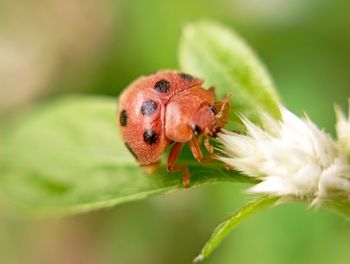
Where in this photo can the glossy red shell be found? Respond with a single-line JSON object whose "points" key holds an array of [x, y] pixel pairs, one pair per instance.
{"points": [[141, 113]]}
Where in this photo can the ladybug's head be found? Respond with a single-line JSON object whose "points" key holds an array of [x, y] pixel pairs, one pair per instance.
{"points": [[204, 120], [210, 118]]}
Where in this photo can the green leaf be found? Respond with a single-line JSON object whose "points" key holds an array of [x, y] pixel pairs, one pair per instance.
{"points": [[226, 227], [66, 156], [224, 60]]}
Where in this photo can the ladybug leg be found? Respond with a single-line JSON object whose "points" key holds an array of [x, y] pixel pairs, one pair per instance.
{"points": [[224, 108], [228, 167], [197, 152], [209, 147], [200, 138], [173, 155]]}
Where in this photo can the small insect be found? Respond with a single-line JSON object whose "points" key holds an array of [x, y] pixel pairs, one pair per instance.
{"points": [[170, 108]]}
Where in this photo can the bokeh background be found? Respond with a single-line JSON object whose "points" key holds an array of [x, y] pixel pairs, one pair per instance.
{"points": [[53, 47]]}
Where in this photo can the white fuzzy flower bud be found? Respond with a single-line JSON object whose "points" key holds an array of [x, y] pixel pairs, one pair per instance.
{"points": [[343, 131], [291, 157]]}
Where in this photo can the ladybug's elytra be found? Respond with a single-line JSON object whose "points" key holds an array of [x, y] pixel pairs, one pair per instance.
{"points": [[169, 108]]}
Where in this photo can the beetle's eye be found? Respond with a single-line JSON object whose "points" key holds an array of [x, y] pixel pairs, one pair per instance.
{"points": [[196, 129], [213, 109]]}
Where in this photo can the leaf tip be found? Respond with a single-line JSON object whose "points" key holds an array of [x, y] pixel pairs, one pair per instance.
{"points": [[199, 258]]}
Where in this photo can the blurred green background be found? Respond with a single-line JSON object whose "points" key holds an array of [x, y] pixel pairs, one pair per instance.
{"points": [[52, 47]]}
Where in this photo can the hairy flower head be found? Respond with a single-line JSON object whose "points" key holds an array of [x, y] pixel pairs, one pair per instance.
{"points": [[343, 131], [291, 157]]}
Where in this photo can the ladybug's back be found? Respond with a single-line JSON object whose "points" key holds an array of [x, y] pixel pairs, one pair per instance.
{"points": [[142, 109]]}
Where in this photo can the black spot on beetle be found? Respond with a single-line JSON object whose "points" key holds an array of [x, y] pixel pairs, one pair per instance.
{"points": [[186, 77], [131, 150], [148, 107], [162, 86], [123, 118], [150, 137]]}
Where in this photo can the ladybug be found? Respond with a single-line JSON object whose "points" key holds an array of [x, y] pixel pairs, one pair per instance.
{"points": [[170, 108]]}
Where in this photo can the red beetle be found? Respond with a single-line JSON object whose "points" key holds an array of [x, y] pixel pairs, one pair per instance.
{"points": [[170, 108]]}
